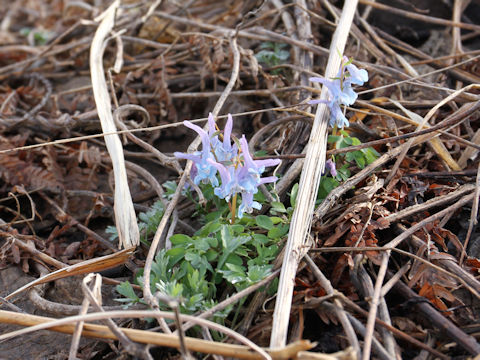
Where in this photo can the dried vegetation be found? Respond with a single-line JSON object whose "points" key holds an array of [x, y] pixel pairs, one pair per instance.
{"points": [[392, 262]]}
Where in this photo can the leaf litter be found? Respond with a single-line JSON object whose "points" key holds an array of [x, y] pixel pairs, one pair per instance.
{"points": [[58, 187]]}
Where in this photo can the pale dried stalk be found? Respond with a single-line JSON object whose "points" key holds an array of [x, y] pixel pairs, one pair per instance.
{"points": [[435, 143], [308, 187], [424, 121], [125, 218], [40, 323], [372, 314], [95, 298], [78, 331]]}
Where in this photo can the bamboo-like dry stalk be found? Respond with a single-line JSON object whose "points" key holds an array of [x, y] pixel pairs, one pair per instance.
{"points": [[66, 325], [308, 186], [88, 266], [125, 217]]}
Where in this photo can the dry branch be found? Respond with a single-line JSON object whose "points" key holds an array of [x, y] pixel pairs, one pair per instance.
{"points": [[125, 217], [308, 187]]}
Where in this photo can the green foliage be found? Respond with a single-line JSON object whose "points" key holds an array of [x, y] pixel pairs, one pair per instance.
{"points": [[147, 223], [126, 289], [112, 230], [220, 255], [40, 36], [272, 54], [149, 220], [362, 157], [359, 158]]}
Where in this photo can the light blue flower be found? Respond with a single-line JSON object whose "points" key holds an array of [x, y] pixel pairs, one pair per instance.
{"points": [[357, 76], [336, 115], [243, 178], [205, 173], [229, 177], [341, 91], [253, 169], [238, 174], [224, 151], [248, 204]]}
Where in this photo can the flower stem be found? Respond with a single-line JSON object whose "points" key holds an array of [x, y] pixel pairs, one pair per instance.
{"points": [[233, 208]]}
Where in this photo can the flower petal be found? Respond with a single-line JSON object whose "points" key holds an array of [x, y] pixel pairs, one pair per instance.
{"points": [[203, 135], [357, 76], [227, 132], [331, 167], [194, 158]]}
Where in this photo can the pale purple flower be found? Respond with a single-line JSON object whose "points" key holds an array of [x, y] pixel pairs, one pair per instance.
{"points": [[204, 171], [331, 167], [224, 151], [252, 169], [248, 204], [357, 76], [238, 174], [336, 116], [243, 178], [341, 91]]}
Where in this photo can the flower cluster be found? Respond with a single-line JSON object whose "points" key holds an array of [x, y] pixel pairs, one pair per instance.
{"points": [[239, 173], [331, 167], [340, 89]]}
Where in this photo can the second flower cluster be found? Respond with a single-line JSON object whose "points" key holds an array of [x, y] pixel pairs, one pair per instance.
{"points": [[232, 161]]}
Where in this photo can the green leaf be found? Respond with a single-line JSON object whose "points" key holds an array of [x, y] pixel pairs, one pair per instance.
{"points": [[276, 220], [242, 251], [267, 45], [327, 184], [355, 141], [343, 173], [359, 159], [126, 289], [256, 273], [112, 230], [211, 255], [234, 259], [237, 228], [170, 188], [179, 239], [370, 155], [283, 54], [209, 228], [233, 277], [214, 215], [175, 254], [260, 238], [212, 241], [229, 243], [350, 156], [278, 231], [201, 244], [264, 222], [293, 195], [278, 207], [333, 138], [235, 267], [272, 289]]}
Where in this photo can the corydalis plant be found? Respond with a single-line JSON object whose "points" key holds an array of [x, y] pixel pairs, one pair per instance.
{"points": [[239, 173], [340, 90]]}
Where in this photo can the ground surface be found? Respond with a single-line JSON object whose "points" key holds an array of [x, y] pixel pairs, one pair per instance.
{"points": [[58, 198]]}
